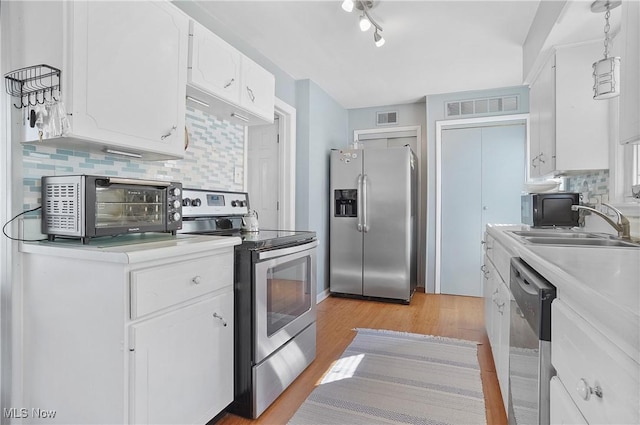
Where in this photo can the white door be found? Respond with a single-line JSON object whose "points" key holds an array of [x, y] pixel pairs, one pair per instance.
{"points": [[263, 173], [482, 172]]}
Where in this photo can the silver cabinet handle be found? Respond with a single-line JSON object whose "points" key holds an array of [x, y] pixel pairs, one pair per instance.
{"points": [[585, 391], [229, 83], [365, 225], [196, 280], [359, 201], [164, 136], [540, 160], [251, 95], [485, 271], [217, 316]]}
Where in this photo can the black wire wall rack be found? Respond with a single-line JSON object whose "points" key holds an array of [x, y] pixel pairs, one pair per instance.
{"points": [[33, 84]]}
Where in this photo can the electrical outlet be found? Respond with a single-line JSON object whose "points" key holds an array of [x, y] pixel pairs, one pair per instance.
{"points": [[237, 175]]}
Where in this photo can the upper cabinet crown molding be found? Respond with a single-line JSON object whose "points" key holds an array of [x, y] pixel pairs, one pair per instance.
{"points": [[630, 73], [123, 71], [226, 83]]}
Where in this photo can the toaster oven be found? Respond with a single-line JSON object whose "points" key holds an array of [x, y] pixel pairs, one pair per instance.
{"points": [[84, 207]]}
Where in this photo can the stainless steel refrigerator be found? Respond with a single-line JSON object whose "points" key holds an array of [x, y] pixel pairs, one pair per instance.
{"points": [[373, 236]]}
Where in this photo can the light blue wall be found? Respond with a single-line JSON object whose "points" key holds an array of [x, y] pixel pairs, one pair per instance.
{"points": [[409, 114], [322, 125], [436, 112]]}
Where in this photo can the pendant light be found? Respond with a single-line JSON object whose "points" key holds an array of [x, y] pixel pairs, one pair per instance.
{"points": [[606, 72]]}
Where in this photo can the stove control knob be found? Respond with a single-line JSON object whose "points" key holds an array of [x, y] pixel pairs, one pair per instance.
{"points": [[176, 204], [196, 202], [234, 203], [186, 202], [175, 216], [176, 191], [243, 203]]}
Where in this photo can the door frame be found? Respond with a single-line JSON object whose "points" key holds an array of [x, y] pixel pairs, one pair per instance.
{"points": [[462, 123], [286, 163]]}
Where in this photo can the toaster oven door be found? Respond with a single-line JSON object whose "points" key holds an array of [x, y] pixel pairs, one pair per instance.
{"points": [[125, 207]]}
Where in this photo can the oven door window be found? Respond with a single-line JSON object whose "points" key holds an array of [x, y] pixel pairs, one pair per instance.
{"points": [[288, 293], [123, 206]]}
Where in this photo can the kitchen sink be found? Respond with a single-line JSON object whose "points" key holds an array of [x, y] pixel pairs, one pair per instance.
{"points": [[571, 238], [586, 241], [555, 234]]}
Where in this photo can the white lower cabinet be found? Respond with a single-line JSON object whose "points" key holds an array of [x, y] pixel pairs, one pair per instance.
{"points": [[563, 411], [602, 381], [87, 355], [497, 301], [181, 365]]}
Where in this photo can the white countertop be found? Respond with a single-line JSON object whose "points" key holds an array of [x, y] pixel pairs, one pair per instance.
{"points": [[602, 284], [132, 248]]}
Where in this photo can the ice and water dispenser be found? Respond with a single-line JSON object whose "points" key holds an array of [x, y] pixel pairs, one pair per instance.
{"points": [[346, 202]]}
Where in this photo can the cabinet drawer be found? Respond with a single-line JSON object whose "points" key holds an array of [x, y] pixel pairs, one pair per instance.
{"points": [[584, 358], [499, 256], [160, 287]]}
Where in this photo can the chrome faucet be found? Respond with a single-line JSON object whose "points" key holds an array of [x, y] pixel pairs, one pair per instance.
{"points": [[622, 226]]}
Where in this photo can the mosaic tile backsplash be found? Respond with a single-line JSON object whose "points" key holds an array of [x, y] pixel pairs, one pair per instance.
{"points": [[595, 184], [215, 154]]}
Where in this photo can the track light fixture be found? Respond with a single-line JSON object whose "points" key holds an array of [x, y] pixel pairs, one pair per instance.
{"points": [[366, 21]]}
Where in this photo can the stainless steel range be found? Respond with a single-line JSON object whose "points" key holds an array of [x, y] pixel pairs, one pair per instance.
{"points": [[275, 297]]}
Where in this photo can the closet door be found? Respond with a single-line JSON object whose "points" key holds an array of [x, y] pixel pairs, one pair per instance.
{"points": [[461, 202], [482, 171]]}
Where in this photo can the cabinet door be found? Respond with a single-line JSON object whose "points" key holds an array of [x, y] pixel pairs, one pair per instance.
{"points": [[563, 410], [129, 74], [535, 103], [630, 74], [182, 364], [546, 161], [582, 123], [257, 94], [503, 311], [214, 65], [489, 292]]}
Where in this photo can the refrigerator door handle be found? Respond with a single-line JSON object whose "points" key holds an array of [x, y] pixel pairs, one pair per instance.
{"points": [[359, 201], [365, 226]]}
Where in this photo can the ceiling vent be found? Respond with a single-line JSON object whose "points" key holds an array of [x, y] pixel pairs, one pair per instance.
{"points": [[387, 118], [490, 105]]}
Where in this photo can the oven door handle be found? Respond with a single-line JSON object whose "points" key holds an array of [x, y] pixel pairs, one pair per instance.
{"points": [[265, 255]]}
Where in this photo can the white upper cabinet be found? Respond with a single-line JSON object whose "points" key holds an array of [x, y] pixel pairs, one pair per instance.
{"points": [[123, 71], [569, 129], [214, 65], [630, 73], [225, 83], [258, 88]]}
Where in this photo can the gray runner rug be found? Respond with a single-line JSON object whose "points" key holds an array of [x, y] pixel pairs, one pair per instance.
{"points": [[387, 377]]}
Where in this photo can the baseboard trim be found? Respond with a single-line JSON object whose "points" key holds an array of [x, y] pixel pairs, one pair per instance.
{"points": [[322, 296]]}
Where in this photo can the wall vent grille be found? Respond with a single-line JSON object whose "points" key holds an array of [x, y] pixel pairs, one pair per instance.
{"points": [[387, 118], [490, 105]]}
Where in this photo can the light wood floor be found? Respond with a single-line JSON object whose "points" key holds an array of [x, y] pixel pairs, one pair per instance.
{"points": [[444, 315]]}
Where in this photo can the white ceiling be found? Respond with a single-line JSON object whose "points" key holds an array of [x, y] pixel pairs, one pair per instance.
{"points": [[432, 46]]}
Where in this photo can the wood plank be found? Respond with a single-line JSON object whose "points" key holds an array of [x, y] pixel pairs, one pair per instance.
{"points": [[444, 315]]}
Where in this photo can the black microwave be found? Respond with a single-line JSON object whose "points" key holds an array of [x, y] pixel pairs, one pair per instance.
{"points": [[550, 209], [89, 206]]}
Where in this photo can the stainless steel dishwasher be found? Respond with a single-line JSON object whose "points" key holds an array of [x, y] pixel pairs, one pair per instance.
{"points": [[530, 369]]}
